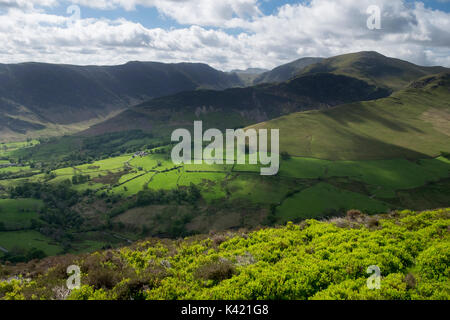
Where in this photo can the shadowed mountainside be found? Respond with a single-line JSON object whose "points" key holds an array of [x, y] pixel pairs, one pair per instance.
{"points": [[239, 107], [34, 95]]}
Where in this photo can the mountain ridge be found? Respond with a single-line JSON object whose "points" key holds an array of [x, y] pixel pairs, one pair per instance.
{"points": [[374, 68], [64, 99], [286, 71], [239, 107], [311, 83], [38, 94]]}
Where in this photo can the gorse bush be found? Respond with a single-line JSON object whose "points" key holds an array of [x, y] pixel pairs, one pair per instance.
{"points": [[313, 260], [216, 271]]}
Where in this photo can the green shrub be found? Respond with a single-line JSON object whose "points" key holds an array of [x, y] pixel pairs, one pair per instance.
{"points": [[216, 271]]}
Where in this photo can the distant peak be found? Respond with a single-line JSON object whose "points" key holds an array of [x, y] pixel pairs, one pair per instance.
{"points": [[366, 54], [250, 71]]}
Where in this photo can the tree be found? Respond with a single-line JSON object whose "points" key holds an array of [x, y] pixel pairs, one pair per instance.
{"points": [[285, 155]]}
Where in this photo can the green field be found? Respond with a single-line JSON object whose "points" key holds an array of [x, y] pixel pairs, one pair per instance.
{"points": [[26, 240], [153, 162], [110, 164], [7, 148], [15, 169], [210, 183], [164, 180], [17, 214], [373, 179], [381, 176], [323, 200], [134, 186], [260, 190]]}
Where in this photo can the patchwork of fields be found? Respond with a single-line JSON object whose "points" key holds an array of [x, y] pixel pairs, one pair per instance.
{"points": [[156, 171], [304, 188]]}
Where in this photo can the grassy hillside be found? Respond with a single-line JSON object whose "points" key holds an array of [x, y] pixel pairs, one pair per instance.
{"points": [[412, 123], [374, 68], [313, 260]]}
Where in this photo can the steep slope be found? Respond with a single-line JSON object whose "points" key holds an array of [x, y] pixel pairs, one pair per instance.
{"points": [[239, 107], [374, 68], [412, 123], [286, 71], [36, 94]]}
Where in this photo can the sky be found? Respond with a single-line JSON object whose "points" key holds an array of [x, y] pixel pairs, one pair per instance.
{"points": [[226, 34]]}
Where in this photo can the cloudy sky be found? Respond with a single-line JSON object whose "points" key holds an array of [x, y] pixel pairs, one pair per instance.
{"points": [[226, 34]]}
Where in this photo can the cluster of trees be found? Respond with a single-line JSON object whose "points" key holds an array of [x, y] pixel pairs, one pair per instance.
{"points": [[117, 143], [18, 255], [146, 197], [285, 155], [74, 151], [158, 151], [59, 195], [190, 195], [5, 175], [15, 175], [80, 179], [58, 220]]}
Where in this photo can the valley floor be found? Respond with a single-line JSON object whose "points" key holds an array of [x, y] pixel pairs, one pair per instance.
{"points": [[110, 193]]}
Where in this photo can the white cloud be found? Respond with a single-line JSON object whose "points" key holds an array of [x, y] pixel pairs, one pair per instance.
{"points": [[200, 12], [26, 4], [314, 28]]}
